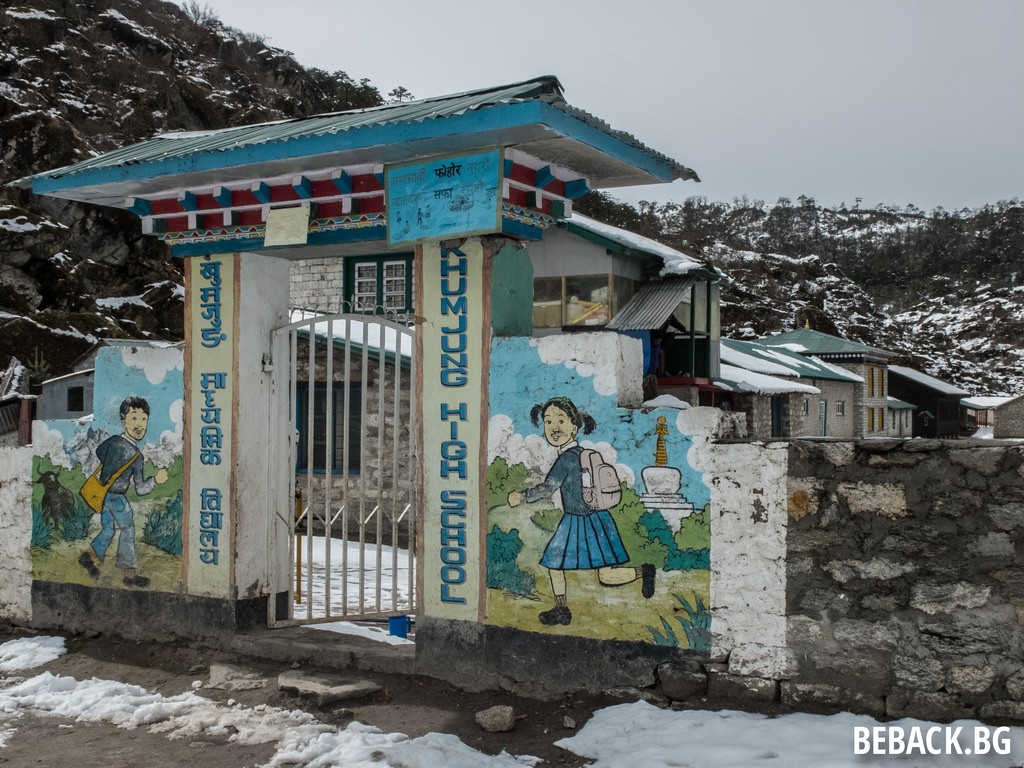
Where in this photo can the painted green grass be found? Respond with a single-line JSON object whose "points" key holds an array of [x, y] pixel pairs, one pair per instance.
{"points": [[599, 612], [59, 562]]}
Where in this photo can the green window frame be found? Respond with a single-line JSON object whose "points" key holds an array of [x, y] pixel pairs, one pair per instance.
{"points": [[376, 284]]}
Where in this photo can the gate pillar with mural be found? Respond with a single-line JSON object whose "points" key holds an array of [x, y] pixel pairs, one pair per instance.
{"points": [[234, 552]]}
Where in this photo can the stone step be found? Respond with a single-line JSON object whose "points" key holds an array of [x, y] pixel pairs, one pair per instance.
{"points": [[326, 688]]}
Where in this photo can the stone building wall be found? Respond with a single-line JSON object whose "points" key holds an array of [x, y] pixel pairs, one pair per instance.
{"points": [[758, 411], [905, 578], [317, 284], [1009, 419], [841, 425]]}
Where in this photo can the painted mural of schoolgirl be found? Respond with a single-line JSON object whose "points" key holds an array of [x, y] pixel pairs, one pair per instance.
{"points": [[585, 539], [122, 464]]}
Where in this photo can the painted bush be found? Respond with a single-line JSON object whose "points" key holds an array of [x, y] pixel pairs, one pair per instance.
{"points": [[130, 538], [565, 555]]}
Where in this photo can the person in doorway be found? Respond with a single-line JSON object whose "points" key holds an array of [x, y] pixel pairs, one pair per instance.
{"points": [[585, 539], [121, 464]]}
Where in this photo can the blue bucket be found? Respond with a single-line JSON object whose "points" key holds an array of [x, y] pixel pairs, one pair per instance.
{"points": [[398, 626]]}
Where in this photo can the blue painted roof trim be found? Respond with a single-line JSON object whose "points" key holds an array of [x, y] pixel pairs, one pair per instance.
{"points": [[255, 245], [504, 116]]}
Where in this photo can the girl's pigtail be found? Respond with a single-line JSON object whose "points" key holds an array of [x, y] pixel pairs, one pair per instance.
{"points": [[536, 413], [587, 423]]}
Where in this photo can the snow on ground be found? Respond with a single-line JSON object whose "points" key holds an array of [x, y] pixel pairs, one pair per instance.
{"points": [[379, 634], [640, 734], [350, 583], [621, 736], [301, 739], [30, 652]]}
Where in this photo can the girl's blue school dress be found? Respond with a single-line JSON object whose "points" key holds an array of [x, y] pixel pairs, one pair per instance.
{"points": [[585, 538]]}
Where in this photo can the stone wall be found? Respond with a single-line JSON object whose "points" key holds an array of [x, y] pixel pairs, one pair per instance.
{"points": [[1009, 419], [16, 523], [905, 578], [317, 284]]}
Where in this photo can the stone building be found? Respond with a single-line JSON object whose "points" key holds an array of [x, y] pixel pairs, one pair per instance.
{"points": [[818, 401], [1009, 418], [868, 411]]}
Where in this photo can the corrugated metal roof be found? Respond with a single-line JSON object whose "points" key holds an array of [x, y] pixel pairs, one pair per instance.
{"points": [[743, 380], [675, 262], [899, 405], [780, 361], [985, 402], [172, 146], [653, 304], [818, 343]]}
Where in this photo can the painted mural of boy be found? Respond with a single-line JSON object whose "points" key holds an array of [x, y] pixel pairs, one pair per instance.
{"points": [[585, 539], [121, 462]]}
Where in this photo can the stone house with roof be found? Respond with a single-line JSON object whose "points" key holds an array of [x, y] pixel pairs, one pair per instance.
{"points": [[869, 409], [817, 400], [999, 417], [587, 276], [901, 417]]}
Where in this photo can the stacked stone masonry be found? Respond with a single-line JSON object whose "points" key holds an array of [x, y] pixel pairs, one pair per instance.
{"points": [[905, 578]]}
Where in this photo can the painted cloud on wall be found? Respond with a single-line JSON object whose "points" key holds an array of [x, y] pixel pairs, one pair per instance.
{"points": [[155, 362], [534, 452], [604, 364]]}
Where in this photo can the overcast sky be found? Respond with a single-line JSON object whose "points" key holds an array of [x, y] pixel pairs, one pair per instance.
{"points": [[891, 101]]}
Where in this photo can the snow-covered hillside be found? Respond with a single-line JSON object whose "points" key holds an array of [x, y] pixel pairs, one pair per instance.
{"points": [[76, 78], [81, 78]]}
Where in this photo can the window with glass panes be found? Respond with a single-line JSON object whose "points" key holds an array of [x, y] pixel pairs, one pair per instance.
{"points": [[380, 282]]}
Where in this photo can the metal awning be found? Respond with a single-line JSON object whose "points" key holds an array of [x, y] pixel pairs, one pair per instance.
{"points": [[531, 116], [653, 304]]}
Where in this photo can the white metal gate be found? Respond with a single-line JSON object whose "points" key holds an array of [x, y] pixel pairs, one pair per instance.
{"points": [[349, 502]]}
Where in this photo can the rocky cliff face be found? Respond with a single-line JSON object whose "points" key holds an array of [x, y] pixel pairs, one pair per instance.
{"points": [[79, 77]]}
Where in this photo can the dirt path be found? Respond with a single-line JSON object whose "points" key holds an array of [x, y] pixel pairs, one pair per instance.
{"points": [[406, 704]]}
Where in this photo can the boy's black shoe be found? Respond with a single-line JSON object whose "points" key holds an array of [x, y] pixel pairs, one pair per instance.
{"points": [[135, 581], [647, 571], [85, 560]]}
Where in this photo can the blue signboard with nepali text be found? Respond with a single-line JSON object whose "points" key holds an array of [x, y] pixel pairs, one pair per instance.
{"points": [[444, 198]]}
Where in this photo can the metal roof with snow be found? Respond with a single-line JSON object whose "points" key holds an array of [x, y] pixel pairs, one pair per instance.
{"points": [[811, 342], [986, 402], [895, 404], [742, 380], [531, 116], [675, 262], [781, 361]]}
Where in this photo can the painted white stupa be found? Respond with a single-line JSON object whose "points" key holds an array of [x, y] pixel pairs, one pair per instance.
{"points": [[662, 484]]}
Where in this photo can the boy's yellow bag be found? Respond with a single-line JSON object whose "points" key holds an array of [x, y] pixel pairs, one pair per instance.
{"points": [[94, 492]]}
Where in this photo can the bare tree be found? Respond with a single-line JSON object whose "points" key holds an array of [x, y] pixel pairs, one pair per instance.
{"points": [[201, 13]]}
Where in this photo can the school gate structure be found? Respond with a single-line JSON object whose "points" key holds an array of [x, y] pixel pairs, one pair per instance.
{"points": [[566, 537]]}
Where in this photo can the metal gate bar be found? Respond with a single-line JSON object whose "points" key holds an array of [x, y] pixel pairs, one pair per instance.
{"points": [[333, 508]]}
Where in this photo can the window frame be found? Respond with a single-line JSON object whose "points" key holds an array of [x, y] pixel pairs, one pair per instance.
{"points": [[380, 278]]}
